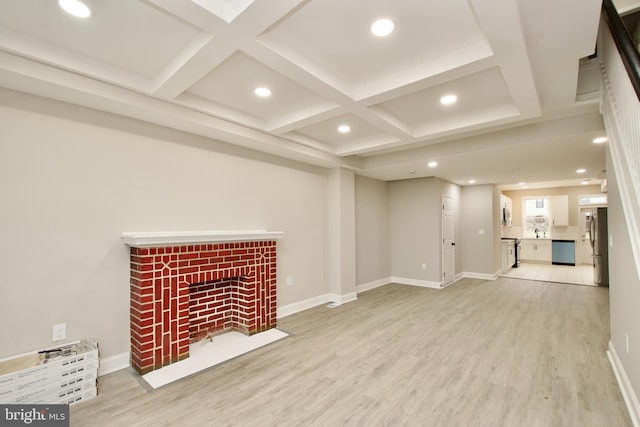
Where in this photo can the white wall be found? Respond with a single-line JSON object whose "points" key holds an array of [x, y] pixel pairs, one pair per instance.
{"points": [[416, 227], [480, 252], [72, 180], [372, 230], [624, 286], [340, 250]]}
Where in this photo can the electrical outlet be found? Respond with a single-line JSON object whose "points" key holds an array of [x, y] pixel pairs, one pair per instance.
{"points": [[424, 266], [289, 281], [59, 332]]}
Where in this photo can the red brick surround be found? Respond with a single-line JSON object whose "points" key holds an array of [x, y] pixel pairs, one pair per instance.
{"points": [[234, 289]]}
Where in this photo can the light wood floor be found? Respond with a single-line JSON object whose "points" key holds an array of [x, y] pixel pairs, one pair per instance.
{"points": [[508, 352]]}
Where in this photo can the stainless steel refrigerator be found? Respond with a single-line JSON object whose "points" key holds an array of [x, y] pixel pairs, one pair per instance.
{"points": [[599, 243]]}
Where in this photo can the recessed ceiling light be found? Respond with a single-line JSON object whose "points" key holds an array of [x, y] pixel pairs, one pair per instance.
{"points": [[432, 164], [75, 8], [600, 140], [448, 99], [412, 171], [521, 183], [382, 27], [344, 128], [262, 92], [581, 170], [585, 182], [472, 181]]}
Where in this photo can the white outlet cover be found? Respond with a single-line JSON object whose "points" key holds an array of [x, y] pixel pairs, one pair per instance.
{"points": [[59, 332]]}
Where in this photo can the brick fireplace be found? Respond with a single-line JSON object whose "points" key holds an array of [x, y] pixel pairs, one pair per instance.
{"points": [[191, 285]]}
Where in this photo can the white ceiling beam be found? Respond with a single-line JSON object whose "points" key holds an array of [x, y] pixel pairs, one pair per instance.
{"points": [[500, 22]]}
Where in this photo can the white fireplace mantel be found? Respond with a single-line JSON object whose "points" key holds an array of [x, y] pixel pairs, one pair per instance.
{"points": [[170, 238]]}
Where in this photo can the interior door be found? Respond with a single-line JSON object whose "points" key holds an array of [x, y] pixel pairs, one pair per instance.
{"points": [[448, 243]]}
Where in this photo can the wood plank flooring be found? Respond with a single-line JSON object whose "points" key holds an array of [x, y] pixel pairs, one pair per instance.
{"points": [[508, 352]]}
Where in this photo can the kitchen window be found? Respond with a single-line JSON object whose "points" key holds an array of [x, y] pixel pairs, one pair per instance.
{"points": [[537, 214]]}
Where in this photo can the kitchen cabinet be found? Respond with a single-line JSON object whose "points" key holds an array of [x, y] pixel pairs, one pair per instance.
{"points": [[508, 253], [560, 210], [504, 252], [535, 250]]}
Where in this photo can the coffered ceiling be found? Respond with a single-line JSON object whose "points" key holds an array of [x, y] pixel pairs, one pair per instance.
{"points": [[526, 105]]}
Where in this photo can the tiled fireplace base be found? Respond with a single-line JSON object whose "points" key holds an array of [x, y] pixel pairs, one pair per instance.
{"points": [[232, 284]]}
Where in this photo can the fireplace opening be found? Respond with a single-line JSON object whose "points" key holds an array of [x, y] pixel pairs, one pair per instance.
{"points": [[215, 307]]}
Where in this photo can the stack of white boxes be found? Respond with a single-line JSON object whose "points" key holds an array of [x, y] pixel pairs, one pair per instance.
{"points": [[64, 374]]}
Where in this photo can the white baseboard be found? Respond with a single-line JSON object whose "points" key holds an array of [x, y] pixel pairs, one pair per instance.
{"points": [[372, 285], [630, 398], [416, 282], [114, 363], [483, 276], [296, 307], [343, 299]]}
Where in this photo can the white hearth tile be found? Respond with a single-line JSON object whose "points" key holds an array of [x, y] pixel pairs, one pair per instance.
{"points": [[206, 354]]}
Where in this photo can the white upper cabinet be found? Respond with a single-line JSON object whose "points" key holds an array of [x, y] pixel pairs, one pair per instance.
{"points": [[560, 210]]}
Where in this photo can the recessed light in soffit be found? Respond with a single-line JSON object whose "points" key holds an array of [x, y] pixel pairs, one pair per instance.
{"points": [[448, 99], [382, 27], [75, 8], [600, 140], [262, 92], [344, 128]]}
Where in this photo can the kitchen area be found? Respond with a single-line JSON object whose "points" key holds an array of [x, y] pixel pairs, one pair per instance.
{"points": [[555, 234]]}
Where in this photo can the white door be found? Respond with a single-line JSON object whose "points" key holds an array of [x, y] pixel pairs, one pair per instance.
{"points": [[585, 230], [448, 243]]}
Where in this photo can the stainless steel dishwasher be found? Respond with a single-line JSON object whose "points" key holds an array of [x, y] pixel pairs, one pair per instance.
{"points": [[563, 252]]}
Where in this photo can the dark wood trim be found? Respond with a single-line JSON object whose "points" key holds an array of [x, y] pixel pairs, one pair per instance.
{"points": [[628, 52]]}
